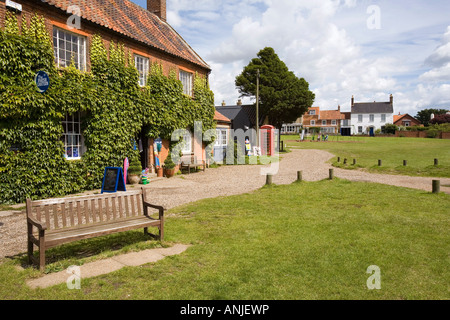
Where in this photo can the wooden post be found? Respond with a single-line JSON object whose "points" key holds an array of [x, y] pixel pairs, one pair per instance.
{"points": [[436, 186], [299, 176], [405, 163], [379, 163], [345, 161], [354, 161], [339, 159], [331, 174], [269, 179], [436, 162]]}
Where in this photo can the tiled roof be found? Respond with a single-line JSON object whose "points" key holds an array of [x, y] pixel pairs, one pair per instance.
{"points": [[133, 21], [373, 107], [398, 117], [330, 115], [221, 118]]}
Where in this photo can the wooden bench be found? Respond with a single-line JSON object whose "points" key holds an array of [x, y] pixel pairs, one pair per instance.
{"points": [[65, 220], [188, 162]]}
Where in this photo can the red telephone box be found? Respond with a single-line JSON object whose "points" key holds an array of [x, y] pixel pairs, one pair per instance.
{"points": [[267, 136]]}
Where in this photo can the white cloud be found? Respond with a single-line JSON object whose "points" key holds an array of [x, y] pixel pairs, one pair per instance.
{"points": [[328, 43], [439, 60]]}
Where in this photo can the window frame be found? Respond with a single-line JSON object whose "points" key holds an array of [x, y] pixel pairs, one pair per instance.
{"points": [[143, 75], [221, 133], [187, 80], [383, 117], [312, 122], [187, 143], [75, 133], [371, 118], [81, 49], [360, 118]]}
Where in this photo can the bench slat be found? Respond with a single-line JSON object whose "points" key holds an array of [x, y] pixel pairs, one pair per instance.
{"points": [[114, 208], [47, 216], [71, 214], [55, 216], [107, 209], [100, 209], [63, 214], [38, 213], [80, 219]]}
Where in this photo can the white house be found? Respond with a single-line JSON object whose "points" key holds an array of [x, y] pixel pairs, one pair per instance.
{"points": [[367, 117]]}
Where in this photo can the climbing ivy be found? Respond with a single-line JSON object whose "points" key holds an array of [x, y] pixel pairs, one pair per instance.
{"points": [[115, 110]]}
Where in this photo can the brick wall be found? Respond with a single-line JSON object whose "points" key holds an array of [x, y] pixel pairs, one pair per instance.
{"points": [[420, 134]]}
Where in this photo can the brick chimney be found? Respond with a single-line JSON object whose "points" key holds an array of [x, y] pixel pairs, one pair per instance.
{"points": [[353, 101], [157, 7], [223, 103], [392, 100], [239, 103]]}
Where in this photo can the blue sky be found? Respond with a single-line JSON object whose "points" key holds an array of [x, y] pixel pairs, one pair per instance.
{"points": [[365, 48]]}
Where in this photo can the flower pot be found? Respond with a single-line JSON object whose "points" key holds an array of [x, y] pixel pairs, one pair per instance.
{"points": [[134, 178], [169, 172], [159, 172]]}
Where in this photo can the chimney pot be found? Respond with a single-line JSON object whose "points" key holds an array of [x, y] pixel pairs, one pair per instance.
{"points": [[223, 103], [239, 103], [158, 7]]}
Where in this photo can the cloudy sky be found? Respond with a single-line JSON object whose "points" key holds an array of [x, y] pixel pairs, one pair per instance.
{"points": [[365, 48]]}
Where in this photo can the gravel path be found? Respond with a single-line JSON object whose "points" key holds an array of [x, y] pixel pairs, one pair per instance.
{"points": [[225, 181]]}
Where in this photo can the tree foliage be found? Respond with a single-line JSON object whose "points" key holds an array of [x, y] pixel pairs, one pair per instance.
{"points": [[424, 116], [283, 96], [440, 119]]}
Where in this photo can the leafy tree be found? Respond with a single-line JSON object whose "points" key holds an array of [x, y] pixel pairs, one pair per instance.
{"points": [[424, 116], [283, 96]]}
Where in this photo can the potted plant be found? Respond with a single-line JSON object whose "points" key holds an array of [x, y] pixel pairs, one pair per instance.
{"points": [[169, 166], [134, 172]]}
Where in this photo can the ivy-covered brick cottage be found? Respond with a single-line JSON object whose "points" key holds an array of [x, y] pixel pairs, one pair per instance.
{"points": [[121, 80]]}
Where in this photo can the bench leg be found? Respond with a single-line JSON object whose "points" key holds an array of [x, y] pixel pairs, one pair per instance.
{"points": [[41, 251], [161, 233], [30, 243]]}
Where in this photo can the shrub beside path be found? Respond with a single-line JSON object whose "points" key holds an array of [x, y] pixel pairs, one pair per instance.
{"points": [[226, 181]]}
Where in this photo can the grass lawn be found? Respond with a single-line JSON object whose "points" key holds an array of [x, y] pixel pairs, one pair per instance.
{"points": [[309, 240], [419, 153]]}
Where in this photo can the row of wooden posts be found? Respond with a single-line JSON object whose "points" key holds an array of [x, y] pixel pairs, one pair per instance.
{"points": [[380, 162], [436, 184]]}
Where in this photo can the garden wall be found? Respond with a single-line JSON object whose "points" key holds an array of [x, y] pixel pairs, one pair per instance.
{"points": [[421, 134]]}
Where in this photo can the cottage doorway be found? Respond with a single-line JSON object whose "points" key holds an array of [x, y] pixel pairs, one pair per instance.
{"points": [[143, 149]]}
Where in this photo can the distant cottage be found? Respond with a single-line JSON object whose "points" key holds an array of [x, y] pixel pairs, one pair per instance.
{"points": [[368, 117]]}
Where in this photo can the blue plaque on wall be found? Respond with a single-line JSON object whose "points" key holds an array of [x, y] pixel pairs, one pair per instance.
{"points": [[42, 81]]}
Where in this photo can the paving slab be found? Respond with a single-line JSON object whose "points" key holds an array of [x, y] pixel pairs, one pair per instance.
{"points": [[105, 266]]}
